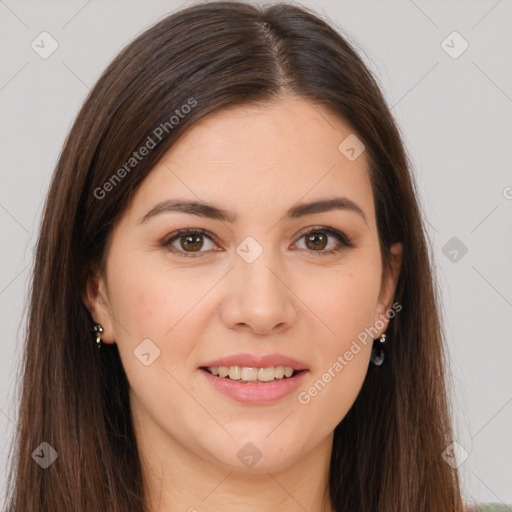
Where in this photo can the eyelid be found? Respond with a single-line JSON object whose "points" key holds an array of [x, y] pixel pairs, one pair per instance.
{"points": [[329, 230], [168, 239], [344, 240]]}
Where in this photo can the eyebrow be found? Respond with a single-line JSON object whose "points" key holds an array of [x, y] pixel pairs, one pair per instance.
{"points": [[208, 210]]}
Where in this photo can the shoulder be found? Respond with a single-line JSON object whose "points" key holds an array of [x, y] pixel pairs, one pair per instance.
{"points": [[489, 507]]}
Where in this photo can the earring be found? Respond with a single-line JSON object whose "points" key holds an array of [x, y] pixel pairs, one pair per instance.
{"points": [[377, 357], [98, 331]]}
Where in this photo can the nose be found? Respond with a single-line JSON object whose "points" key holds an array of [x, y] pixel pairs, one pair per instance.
{"points": [[258, 298]]}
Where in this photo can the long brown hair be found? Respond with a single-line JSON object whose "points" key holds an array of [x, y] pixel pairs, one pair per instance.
{"points": [[387, 450]]}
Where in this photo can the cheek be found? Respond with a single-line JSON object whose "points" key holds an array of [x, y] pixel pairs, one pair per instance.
{"points": [[344, 300], [152, 300], [156, 313]]}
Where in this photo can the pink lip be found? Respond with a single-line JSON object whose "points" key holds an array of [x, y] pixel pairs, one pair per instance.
{"points": [[255, 394], [251, 361]]}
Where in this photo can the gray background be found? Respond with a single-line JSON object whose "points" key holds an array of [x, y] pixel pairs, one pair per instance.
{"points": [[454, 113]]}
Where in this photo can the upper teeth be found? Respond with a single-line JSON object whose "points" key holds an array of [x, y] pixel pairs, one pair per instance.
{"points": [[252, 374]]}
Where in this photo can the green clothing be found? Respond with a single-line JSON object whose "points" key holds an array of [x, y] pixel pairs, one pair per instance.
{"points": [[493, 507]]}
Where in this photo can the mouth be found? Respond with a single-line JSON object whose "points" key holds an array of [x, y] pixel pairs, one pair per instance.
{"points": [[252, 375], [254, 386]]}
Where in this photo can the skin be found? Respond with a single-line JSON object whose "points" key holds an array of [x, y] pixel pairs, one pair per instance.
{"points": [[257, 162]]}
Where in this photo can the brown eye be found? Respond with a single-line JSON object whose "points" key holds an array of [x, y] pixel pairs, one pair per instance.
{"points": [[316, 241], [192, 242], [187, 242]]}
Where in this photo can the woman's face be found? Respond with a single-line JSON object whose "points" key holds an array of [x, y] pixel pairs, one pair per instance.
{"points": [[255, 285]]}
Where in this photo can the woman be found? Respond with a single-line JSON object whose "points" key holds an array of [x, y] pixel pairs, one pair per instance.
{"points": [[233, 304]]}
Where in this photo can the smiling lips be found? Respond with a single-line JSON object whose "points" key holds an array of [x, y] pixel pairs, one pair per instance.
{"points": [[249, 368], [252, 361], [255, 380], [251, 374]]}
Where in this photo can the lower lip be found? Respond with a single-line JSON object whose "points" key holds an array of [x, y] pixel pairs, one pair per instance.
{"points": [[256, 394]]}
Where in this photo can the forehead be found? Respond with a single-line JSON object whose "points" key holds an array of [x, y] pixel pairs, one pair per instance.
{"points": [[279, 133], [246, 157]]}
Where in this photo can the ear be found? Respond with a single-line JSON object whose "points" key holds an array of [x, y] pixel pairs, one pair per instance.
{"points": [[95, 298], [388, 286]]}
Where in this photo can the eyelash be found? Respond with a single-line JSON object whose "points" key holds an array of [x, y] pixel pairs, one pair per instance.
{"points": [[345, 242]]}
